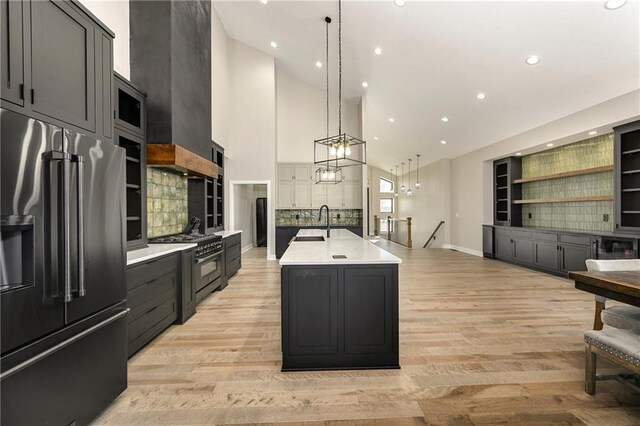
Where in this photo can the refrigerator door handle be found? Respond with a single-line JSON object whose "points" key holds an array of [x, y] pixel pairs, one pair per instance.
{"points": [[79, 161], [64, 224]]}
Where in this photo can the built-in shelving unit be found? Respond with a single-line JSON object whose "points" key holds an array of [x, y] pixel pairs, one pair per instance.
{"points": [[589, 171], [627, 154], [206, 196], [505, 212]]}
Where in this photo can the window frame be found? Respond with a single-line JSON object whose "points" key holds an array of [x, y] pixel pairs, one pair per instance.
{"points": [[388, 181], [392, 204]]}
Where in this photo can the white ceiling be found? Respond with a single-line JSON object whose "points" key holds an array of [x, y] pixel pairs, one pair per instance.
{"points": [[437, 55]]}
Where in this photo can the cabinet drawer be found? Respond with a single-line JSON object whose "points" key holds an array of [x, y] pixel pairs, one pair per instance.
{"points": [[545, 236], [145, 272], [502, 231], [233, 252], [233, 266], [519, 233], [138, 299], [233, 239], [582, 240], [150, 318]]}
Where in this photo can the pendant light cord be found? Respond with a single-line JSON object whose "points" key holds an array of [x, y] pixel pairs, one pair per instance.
{"points": [[339, 67], [327, 20]]}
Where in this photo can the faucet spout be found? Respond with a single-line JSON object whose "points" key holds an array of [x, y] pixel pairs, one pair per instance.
{"points": [[324, 206]]}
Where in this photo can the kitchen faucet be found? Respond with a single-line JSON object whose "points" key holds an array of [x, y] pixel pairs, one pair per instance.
{"points": [[324, 206]]}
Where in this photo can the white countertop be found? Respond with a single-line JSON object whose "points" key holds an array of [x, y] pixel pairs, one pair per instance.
{"points": [[342, 241], [155, 250], [227, 233]]}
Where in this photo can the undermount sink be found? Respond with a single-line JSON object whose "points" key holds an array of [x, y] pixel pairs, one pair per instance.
{"points": [[309, 238]]}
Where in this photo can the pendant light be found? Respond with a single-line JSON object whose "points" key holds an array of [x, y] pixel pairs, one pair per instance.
{"points": [[328, 173], [395, 185], [417, 171], [409, 192], [402, 188], [341, 150]]}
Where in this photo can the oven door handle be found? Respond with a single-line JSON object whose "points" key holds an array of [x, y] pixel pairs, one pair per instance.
{"points": [[208, 258]]}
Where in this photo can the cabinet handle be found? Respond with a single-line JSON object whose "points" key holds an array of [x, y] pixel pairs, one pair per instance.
{"points": [[21, 91]]}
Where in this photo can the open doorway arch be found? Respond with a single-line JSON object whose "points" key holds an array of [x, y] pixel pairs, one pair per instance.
{"points": [[234, 224]]}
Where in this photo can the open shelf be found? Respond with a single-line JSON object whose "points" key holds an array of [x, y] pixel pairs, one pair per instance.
{"points": [[133, 186], [130, 218], [589, 171], [631, 151], [565, 199]]}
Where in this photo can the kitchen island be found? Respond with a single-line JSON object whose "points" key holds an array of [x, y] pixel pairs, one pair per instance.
{"points": [[339, 303]]}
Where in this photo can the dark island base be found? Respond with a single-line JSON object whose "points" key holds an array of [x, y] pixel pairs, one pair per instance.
{"points": [[337, 317]]}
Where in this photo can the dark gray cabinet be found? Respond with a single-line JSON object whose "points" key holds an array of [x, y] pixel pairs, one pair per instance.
{"points": [[12, 43], [130, 109], [152, 290], [573, 257], [232, 260], [503, 245], [627, 177], [57, 65], [339, 316], [522, 250], [545, 255], [505, 213], [187, 292], [63, 52], [487, 241], [217, 157]]}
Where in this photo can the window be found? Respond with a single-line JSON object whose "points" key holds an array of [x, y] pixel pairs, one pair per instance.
{"points": [[386, 205], [386, 185]]}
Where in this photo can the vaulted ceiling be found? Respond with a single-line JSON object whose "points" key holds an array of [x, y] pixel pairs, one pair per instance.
{"points": [[438, 55]]}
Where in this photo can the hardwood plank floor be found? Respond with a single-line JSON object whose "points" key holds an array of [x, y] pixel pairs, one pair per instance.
{"points": [[481, 342]]}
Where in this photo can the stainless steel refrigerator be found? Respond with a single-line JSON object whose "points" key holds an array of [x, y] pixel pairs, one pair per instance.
{"points": [[62, 273]]}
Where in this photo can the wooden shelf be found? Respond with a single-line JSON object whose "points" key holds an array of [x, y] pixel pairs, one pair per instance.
{"points": [[631, 151], [631, 190], [133, 160], [133, 186], [592, 170], [501, 187], [630, 172], [131, 218], [630, 212], [566, 199]]}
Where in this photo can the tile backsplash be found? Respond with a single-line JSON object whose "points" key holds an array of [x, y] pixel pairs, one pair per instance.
{"points": [[583, 216], [166, 202], [309, 217]]}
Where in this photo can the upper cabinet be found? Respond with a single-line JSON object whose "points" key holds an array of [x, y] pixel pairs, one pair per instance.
{"points": [[12, 72], [57, 65], [297, 188], [627, 177], [130, 107]]}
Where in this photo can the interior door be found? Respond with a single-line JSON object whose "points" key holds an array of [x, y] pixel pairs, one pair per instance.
{"points": [[29, 202], [62, 63], [100, 271], [12, 73]]}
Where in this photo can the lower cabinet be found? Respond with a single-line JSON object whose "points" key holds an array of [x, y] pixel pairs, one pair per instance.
{"points": [[152, 297], [339, 316], [187, 295], [232, 261], [554, 252]]}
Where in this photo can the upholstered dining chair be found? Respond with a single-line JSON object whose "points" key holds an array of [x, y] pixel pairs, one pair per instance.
{"points": [[621, 317]]}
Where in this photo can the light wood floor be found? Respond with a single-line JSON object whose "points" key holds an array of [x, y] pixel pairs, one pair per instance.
{"points": [[481, 342]]}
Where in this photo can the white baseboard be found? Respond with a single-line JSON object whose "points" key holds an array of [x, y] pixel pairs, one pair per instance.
{"points": [[271, 257], [247, 248], [463, 250]]}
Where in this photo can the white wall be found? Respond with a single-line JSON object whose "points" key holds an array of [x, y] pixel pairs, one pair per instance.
{"points": [[301, 118], [244, 213], [115, 15], [471, 174], [219, 81], [430, 204], [373, 177]]}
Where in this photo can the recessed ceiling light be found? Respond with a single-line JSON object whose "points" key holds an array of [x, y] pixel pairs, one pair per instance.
{"points": [[375, 138], [549, 144], [614, 4], [318, 64], [399, 3], [274, 44], [443, 142], [365, 84], [518, 153], [593, 132], [378, 50], [445, 119], [264, 1], [391, 120], [481, 96], [533, 60]]}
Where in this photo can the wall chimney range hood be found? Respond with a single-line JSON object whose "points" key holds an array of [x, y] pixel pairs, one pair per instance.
{"points": [[179, 159]]}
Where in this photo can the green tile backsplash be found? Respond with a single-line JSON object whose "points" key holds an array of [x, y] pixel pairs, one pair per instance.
{"points": [[166, 202], [583, 216], [309, 217]]}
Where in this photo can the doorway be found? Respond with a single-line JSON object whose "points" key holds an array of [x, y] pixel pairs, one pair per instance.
{"points": [[251, 211]]}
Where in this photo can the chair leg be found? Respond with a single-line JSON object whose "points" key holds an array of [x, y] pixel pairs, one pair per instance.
{"points": [[597, 319], [589, 370]]}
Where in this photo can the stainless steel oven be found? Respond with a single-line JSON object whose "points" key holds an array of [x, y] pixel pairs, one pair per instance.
{"points": [[207, 272]]}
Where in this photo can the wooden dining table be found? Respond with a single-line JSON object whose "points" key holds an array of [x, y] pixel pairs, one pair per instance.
{"points": [[623, 286]]}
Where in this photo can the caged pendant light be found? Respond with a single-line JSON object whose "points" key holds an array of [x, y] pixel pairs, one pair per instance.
{"points": [[328, 173], [409, 192], [341, 150], [417, 171]]}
